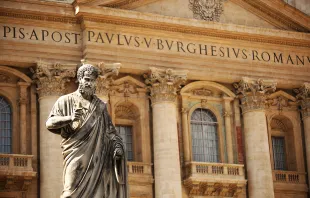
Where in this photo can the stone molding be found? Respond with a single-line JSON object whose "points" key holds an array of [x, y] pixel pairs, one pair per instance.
{"points": [[253, 93], [164, 83], [52, 78], [208, 10], [303, 97], [106, 77]]}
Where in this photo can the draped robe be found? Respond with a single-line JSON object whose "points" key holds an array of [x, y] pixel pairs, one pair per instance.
{"points": [[89, 165]]}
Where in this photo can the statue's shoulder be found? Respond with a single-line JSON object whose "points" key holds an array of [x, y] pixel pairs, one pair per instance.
{"points": [[66, 97], [101, 102]]}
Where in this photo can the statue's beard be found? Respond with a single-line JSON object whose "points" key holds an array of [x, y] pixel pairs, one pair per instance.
{"points": [[86, 90]]}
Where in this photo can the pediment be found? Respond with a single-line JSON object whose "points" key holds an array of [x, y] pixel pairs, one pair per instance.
{"points": [[259, 13], [281, 100], [127, 86], [129, 79], [282, 94]]}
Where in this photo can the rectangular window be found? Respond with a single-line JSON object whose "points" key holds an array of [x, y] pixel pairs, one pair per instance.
{"points": [[278, 148], [126, 134]]}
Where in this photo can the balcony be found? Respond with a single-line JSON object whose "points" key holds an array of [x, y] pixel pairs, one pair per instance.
{"points": [[16, 172], [140, 179], [289, 181], [214, 179]]}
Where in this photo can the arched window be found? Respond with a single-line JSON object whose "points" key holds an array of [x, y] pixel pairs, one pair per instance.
{"points": [[5, 126], [204, 136]]}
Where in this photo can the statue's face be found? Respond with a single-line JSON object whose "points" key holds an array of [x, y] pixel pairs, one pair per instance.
{"points": [[87, 84]]}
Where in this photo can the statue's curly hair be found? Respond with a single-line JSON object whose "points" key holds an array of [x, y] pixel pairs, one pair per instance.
{"points": [[87, 67]]}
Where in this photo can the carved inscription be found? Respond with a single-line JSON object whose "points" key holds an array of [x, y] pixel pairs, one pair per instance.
{"points": [[130, 41]]}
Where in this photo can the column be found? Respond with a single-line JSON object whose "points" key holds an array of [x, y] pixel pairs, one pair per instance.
{"points": [[51, 80], [164, 84], [227, 116], [303, 95], [23, 100], [253, 99]]}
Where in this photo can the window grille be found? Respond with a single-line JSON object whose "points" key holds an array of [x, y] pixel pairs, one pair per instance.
{"points": [[278, 148], [126, 134], [5, 126], [204, 136]]}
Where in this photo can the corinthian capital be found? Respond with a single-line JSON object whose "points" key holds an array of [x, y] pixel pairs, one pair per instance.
{"points": [[303, 96], [164, 83], [105, 79], [253, 92], [51, 78]]}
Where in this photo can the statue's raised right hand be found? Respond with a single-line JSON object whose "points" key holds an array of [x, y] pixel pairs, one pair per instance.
{"points": [[77, 114]]}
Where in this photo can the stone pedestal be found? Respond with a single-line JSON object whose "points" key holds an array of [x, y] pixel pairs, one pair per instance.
{"points": [[253, 96], [51, 81], [164, 84]]}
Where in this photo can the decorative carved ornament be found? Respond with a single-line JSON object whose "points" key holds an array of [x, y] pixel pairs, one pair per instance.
{"points": [[51, 78], [213, 189], [303, 96], [128, 88], [278, 124], [105, 79], [16, 183], [209, 10], [164, 83], [125, 112], [227, 114], [5, 79], [201, 92], [281, 101], [253, 93]]}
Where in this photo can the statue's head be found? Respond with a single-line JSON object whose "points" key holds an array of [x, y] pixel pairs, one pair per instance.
{"points": [[87, 75]]}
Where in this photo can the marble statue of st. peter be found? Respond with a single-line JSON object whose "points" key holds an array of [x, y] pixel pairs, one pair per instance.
{"points": [[93, 152]]}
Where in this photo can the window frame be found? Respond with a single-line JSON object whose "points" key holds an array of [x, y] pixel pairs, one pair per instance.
{"points": [[285, 152], [126, 122], [12, 149], [220, 122], [214, 124], [132, 140]]}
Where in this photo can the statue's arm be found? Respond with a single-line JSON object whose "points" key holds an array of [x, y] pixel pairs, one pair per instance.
{"points": [[57, 122]]}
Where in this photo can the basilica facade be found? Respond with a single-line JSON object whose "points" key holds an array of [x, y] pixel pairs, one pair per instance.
{"points": [[211, 97]]}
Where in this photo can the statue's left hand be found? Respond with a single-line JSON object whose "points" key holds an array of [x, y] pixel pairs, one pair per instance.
{"points": [[118, 153]]}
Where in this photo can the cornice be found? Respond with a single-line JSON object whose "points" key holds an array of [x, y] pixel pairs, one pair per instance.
{"points": [[15, 13], [278, 14], [123, 4]]}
